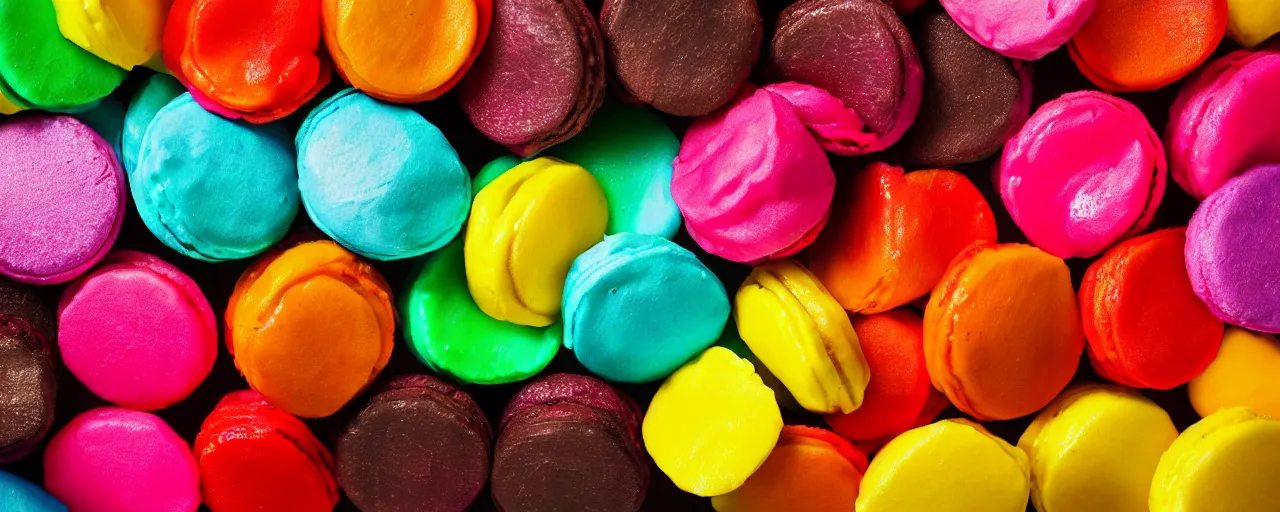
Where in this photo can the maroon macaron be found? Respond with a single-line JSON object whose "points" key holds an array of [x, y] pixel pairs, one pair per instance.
{"points": [[28, 382]]}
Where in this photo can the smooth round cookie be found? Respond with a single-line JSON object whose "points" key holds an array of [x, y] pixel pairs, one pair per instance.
{"points": [[19, 495], [153, 95], [809, 469], [1226, 461], [1246, 373], [1021, 29], [28, 371], [30, 43], [126, 34], [1143, 45]]}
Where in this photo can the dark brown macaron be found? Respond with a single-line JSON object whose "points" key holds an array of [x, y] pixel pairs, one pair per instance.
{"points": [[28, 382], [540, 76], [974, 98], [569, 442], [684, 57], [420, 444]]}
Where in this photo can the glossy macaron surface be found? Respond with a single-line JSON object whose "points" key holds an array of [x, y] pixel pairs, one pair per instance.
{"points": [[23, 496], [126, 34], [28, 378], [1226, 461], [1026, 30], [29, 42], [1144, 45], [809, 469]]}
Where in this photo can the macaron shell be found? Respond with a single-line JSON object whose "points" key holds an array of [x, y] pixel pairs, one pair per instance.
{"points": [[1246, 373], [1128, 46], [65, 198], [1002, 333], [809, 469], [28, 379], [30, 41], [1251, 22], [893, 344], [152, 96], [584, 390], [19, 495], [714, 404], [1227, 461], [126, 34], [1019, 29]]}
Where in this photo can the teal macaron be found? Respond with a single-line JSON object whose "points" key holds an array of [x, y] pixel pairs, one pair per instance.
{"points": [[106, 118], [18, 495], [379, 178], [637, 307], [152, 96], [213, 188]]}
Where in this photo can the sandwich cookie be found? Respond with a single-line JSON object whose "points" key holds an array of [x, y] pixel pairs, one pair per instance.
{"points": [[213, 188], [28, 375], [636, 307], [1226, 461], [380, 179], [540, 77], [137, 332], [809, 469], [1128, 46], [126, 34], [1020, 29], [64, 197], [1084, 173], [419, 444], [1246, 373], [30, 45], [156, 92], [253, 456], [1251, 22], [310, 327], [569, 442], [19, 495]]}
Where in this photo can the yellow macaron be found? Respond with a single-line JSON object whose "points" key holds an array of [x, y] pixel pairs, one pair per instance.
{"points": [[1250, 22], [1227, 462], [124, 33], [799, 331], [1246, 373], [525, 229], [1096, 448]]}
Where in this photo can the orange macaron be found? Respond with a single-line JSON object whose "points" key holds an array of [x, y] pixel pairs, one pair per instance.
{"points": [[1143, 45], [809, 469]]}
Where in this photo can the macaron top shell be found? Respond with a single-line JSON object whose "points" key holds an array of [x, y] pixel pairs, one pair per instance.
{"points": [[540, 76], [1251, 22], [29, 43], [64, 198], [1226, 461], [379, 178], [1128, 46], [1002, 333], [153, 95], [1021, 29], [28, 381], [19, 495], [1085, 172], [1243, 375], [809, 469], [126, 34]]}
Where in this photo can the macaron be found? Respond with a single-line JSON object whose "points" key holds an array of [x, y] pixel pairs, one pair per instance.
{"points": [[525, 229], [809, 469], [126, 34], [540, 77], [19, 495], [817, 42], [156, 92], [310, 327], [1085, 172], [137, 332], [686, 57], [751, 180], [1002, 333], [117, 459], [569, 442], [893, 233], [899, 396], [1246, 373], [30, 43], [1144, 325], [630, 152], [368, 40], [974, 99], [732, 341], [1096, 448], [7, 106], [1226, 461], [379, 178], [259, 60], [1218, 126], [28, 376], [419, 444], [715, 404], [212, 188], [951, 465], [1144, 45], [1252, 22], [1020, 29], [803, 336], [1229, 254], [64, 197], [253, 456], [448, 332], [636, 307]]}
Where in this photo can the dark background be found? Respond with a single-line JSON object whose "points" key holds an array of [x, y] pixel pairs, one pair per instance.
{"points": [[1054, 75]]}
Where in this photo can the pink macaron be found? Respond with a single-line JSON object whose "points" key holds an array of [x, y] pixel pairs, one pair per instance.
{"points": [[1224, 120], [1085, 172], [1021, 29], [113, 459], [63, 195], [137, 332]]}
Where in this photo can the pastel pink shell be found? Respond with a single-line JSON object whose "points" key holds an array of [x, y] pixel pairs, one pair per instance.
{"points": [[113, 459], [751, 181], [1225, 120], [1085, 172], [137, 332], [1021, 29]]}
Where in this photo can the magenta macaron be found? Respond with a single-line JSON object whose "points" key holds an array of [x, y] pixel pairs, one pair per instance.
{"points": [[64, 198], [1021, 29], [137, 332]]}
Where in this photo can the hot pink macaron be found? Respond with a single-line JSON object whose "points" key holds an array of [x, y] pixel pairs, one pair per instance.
{"points": [[137, 332], [64, 198], [1021, 29], [113, 459], [1224, 120], [1085, 172], [751, 180]]}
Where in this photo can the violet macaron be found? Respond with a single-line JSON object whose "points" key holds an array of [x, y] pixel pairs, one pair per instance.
{"points": [[64, 198], [28, 381], [1231, 253]]}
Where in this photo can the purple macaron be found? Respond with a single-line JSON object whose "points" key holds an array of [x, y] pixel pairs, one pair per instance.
{"points": [[63, 195], [1231, 254]]}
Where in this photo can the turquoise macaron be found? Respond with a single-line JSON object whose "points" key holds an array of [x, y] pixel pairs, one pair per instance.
{"points": [[18, 495], [213, 188], [152, 96], [637, 307], [379, 178]]}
